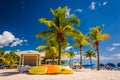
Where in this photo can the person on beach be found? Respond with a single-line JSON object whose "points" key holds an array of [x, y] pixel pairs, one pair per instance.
{"points": [[105, 66]]}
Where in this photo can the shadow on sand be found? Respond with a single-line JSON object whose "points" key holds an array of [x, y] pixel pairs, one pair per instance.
{"points": [[9, 73]]}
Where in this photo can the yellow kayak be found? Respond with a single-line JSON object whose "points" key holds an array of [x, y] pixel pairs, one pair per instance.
{"points": [[50, 69]]}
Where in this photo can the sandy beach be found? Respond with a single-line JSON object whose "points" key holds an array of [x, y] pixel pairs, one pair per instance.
{"points": [[84, 74]]}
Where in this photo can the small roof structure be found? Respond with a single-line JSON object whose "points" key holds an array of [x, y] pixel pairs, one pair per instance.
{"points": [[30, 53], [30, 58]]}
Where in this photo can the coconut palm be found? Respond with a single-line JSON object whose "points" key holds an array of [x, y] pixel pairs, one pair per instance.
{"points": [[50, 52], [80, 40], [71, 55], [14, 57], [51, 49], [90, 53], [2, 56], [8, 59], [3, 59], [58, 27], [95, 35]]}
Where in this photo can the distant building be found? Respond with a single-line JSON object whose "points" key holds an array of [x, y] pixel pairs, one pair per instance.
{"points": [[30, 58]]}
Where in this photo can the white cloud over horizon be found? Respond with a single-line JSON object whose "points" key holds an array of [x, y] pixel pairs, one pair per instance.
{"points": [[111, 58], [8, 39], [27, 51], [116, 55], [103, 59]]}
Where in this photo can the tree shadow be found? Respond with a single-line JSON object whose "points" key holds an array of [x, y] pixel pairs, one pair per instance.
{"points": [[9, 73]]}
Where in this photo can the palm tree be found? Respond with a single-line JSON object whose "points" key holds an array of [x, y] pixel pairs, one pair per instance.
{"points": [[95, 35], [51, 49], [90, 53], [8, 59], [70, 55], [58, 27], [80, 40], [2, 56], [3, 59], [50, 52], [14, 57]]}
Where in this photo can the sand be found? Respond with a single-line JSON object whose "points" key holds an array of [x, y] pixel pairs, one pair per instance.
{"points": [[84, 74]]}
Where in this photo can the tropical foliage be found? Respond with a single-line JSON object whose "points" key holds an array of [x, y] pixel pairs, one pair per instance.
{"points": [[9, 59], [59, 27], [71, 55], [95, 35], [89, 54], [80, 40], [62, 26], [51, 50]]}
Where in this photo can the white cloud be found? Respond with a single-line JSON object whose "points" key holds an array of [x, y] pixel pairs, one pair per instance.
{"points": [[76, 52], [8, 39], [7, 51], [105, 3], [25, 40], [116, 55], [104, 58], [18, 50], [28, 51], [68, 48], [111, 48], [77, 56], [65, 58], [111, 58], [79, 10], [16, 42], [68, 12], [92, 5], [116, 44]]}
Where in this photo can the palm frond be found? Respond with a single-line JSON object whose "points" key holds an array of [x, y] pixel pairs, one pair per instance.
{"points": [[104, 36], [71, 28], [89, 53], [48, 22], [75, 44], [73, 20], [44, 33], [41, 47]]}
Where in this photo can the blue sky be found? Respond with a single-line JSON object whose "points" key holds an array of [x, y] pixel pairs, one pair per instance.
{"points": [[19, 23]]}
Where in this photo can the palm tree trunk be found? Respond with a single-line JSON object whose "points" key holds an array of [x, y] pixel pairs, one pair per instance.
{"points": [[59, 57], [91, 62], [98, 56], [80, 48], [70, 62], [53, 60]]}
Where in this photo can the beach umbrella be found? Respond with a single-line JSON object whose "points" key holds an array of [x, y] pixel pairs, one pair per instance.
{"points": [[101, 65], [1, 64], [118, 64], [92, 65], [86, 65], [111, 64]]}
